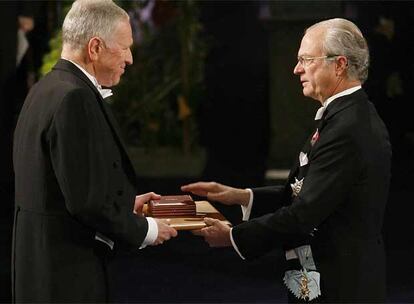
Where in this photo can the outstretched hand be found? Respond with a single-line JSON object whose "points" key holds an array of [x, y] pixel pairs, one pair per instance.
{"points": [[219, 193]]}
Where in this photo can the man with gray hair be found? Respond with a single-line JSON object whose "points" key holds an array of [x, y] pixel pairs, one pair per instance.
{"points": [[76, 202], [328, 216]]}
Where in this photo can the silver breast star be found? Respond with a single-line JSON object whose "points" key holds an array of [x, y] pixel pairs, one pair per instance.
{"points": [[296, 186]]}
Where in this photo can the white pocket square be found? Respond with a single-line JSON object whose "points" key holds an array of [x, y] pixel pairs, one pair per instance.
{"points": [[303, 159]]}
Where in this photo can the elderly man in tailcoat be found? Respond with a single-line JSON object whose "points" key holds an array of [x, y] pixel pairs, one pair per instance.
{"points": [[76, 200], [328, 216]]}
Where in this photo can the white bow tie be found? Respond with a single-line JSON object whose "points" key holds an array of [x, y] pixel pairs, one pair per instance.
{"points": [[104, 92], [319, 113]]}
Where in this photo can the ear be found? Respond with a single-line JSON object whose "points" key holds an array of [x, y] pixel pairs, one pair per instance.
{"points": [[94, 48], [341, 65]]}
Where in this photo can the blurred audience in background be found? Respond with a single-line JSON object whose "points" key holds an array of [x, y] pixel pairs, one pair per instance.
{"points": [[27, 26], [389, 27], [17, 20]]}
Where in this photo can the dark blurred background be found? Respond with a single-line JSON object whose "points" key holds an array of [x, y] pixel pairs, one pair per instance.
{"points": [[227, 108]]}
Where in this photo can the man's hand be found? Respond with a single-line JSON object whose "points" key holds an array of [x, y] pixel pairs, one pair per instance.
{"points": [[165, 232], [140, 200], [217, 234], [219, 193]]}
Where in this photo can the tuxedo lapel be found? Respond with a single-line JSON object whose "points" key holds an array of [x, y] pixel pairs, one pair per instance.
{"points": [[333, 108], [67, 66], [117, 134], [299, 170], [112, 123]]}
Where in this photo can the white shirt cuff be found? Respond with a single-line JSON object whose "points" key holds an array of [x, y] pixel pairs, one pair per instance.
{"points": [[246, 210], [152, 233], [234, 244]]}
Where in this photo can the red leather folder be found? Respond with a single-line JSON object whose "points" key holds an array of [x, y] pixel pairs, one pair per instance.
{"points": [[172, 206]]}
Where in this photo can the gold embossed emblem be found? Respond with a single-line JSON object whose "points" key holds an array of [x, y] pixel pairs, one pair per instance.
{"points": [[304, 288]]}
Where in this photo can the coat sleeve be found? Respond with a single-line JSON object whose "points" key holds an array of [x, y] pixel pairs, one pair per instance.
{"points": [[268, 199], [334, 167], [78, 147]]}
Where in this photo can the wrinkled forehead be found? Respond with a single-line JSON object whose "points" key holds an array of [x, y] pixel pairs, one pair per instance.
{"points": [[311, 44]]}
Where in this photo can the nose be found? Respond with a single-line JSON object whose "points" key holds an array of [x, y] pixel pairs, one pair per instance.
{"points": [[128, 59], [298, 69]]}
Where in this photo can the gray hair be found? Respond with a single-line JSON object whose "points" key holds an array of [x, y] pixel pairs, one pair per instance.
{"points": [[342, 37], [90, 18]]}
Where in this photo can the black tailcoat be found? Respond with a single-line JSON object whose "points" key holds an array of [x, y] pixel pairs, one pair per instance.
{"points": [[343, 196], [73, 179]]}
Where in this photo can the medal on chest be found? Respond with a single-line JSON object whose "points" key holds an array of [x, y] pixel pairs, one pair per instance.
{"points": [[296, 186], [315, 137]]}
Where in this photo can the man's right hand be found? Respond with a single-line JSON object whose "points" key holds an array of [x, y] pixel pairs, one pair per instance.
{"points": [[219, 193], [165, 232]]}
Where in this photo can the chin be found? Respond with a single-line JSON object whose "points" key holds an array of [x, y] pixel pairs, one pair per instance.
{"points": [[116, 81], [110, 82], [306, 93]]}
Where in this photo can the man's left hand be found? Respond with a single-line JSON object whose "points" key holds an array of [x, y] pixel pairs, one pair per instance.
{"points": [[217, 234]]}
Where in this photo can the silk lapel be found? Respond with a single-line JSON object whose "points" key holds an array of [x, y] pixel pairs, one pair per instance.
{"points": [[336, 106], [117, 135], [71, 68], [299, 171]]}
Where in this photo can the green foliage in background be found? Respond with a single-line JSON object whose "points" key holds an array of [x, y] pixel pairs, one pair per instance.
{"points": [[157, 99], [50, 59]]}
